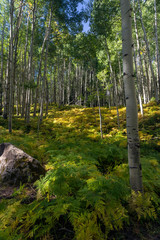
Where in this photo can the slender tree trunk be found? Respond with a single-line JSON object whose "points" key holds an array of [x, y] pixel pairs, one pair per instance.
{"points": [[148, 52], [76, 85], [116, 99], [1, 76], [85, 89], [43, 84], [99, 107], [63, 81], [45, 68], [30, 67], [6, 93], [24, 108], [138, 85], [15, 47], [91, 88], [58, 82], [131, 104], [55, 85], [47, 97], [23, 79], [69, 82], [121, 83], [140, 59], [81, 85], [11, 67], [157, 47], [148, 78], [17, 94]]}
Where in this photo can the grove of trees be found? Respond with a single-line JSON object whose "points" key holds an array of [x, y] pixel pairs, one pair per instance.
{"points": [[46, 58], [72, 100]]}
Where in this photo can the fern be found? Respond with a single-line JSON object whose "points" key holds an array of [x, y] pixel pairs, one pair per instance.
{"points": [[87, 183]]}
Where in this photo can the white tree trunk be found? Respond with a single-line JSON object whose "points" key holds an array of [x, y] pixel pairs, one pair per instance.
{"points": [[45, 69], [11, 67], [6, 92], [148, 52], [141, 65], [55, 85], [131, 104], [99, 107], [157, 47], [1, 74], [85, 89], [30, 78], [138, 85]]}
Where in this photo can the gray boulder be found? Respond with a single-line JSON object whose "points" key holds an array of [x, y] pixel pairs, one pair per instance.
{"points": [[17, 166]]}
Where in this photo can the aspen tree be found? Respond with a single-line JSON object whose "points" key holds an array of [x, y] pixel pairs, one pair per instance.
{"points": [[55, 86], [76, 84], [138, 84], [63, 81], [130, 95], [157, 47], [45, 67], [140, 59], [28, 94], [1, 74], [58, 81], [11, 67], [81, 85], [85, 88], [6, 92], [15, 53], [148, 53], [69, 82], [99, 107], [148, 77], [25, 71]]}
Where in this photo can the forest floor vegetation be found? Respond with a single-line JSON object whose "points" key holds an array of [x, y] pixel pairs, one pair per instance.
{"points": [[85, 194]]}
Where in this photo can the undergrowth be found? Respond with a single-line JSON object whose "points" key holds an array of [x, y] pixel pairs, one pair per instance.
{"points": [[85, 193]]}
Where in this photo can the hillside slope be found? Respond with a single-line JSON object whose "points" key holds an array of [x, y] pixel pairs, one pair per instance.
{"points": [[85, 193]]}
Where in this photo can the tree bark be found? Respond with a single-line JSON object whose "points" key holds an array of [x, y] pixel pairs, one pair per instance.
{"points": [[138, 85], [81, 85], [11, 67], [6, 93], [45, 69], [131, 104], [69, 83], [157, 47], [25, 73], [141, 65], [1, 76], [99, 107], [30, 78], [148, 53], [15, 47], [85, 88], [55, 85]]}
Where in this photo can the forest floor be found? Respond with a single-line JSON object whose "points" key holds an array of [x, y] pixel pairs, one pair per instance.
{"points": [[85, 193]]}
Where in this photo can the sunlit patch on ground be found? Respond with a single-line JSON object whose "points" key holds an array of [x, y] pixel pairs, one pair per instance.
{"points": [[87, 178]]}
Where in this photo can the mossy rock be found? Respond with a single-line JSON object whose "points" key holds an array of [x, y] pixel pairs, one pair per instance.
{"points": [[17, 166]]}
